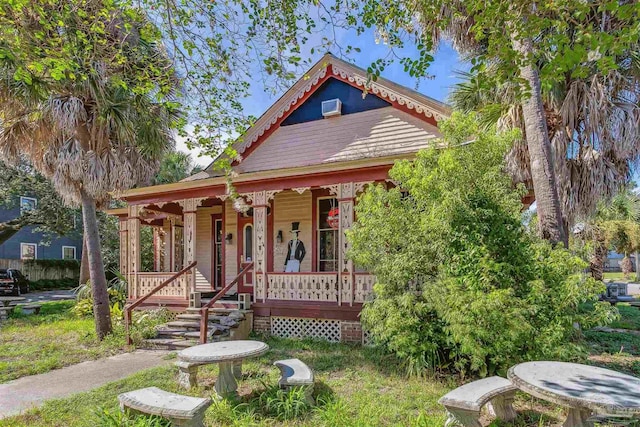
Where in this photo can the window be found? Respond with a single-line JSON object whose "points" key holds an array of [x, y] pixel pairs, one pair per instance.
{"points": [[327, 237], [28, 251], [68, 252], [248, 242], [28, 203], [218, 252]]}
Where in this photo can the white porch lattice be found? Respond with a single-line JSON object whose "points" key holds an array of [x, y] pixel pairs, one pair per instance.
{"points": [[296, 327]]}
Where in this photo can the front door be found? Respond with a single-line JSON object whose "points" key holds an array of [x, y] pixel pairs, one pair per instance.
{"points": [[217, 263], [245, 250]]}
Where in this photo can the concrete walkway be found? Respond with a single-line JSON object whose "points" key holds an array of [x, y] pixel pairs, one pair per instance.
{"points": [[27, 392]]}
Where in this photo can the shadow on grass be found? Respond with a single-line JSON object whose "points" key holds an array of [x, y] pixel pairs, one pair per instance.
{"points": [[323, 356]]}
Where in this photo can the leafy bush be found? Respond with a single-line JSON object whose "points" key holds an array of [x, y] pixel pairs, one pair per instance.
{"points": [[117, 290], [144, 323], [107, 418], [284, 404], [461, 282]]}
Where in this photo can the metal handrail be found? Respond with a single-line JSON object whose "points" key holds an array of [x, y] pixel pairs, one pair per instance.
{"points": [[129, 307], [204, 311]]}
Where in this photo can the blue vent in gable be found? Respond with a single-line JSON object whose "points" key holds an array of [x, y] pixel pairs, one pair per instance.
{"points": [[350, 96]]}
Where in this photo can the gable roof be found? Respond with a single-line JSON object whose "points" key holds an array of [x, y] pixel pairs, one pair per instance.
{"points": [[376, 133], [329, 66]]}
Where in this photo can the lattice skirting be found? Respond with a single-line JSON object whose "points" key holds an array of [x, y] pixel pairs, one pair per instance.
{"points": [[297, 327], [367, 339]]}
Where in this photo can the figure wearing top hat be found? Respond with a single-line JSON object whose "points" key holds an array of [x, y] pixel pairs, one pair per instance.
{"points": [[295, 251]]}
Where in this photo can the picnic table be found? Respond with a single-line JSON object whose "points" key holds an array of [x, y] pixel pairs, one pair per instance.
{"points": [[585, 390], [227, 354]]}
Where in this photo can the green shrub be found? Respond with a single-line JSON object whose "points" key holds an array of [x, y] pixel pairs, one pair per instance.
{"points": [[117, 291], [284, 404], [460, 281], [108, 418]]}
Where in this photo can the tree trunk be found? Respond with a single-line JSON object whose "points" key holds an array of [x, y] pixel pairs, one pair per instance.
{"points": [[596, 264], [84, 263], [542, 169], [637, 267], [101, 311]]}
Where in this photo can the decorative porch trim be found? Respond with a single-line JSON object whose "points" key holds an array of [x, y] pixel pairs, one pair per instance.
{"points": [[301, 190]]}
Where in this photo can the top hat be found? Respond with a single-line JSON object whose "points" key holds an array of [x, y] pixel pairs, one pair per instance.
{"points": [[295, 227]]}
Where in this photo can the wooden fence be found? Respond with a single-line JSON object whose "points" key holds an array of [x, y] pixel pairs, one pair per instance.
{"points": [[38, 272]]}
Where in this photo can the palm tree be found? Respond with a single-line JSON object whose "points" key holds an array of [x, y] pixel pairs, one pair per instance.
{"points": [[593, 125], [87, 98]]}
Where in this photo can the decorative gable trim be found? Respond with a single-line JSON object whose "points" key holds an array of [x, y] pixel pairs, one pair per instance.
{"points": [[257, 131], [386, 93], [330, 66]]}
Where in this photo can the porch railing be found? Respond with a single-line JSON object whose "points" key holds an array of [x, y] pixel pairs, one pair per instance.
{"points": [[129, 307], [204, 311], [302, 286]]}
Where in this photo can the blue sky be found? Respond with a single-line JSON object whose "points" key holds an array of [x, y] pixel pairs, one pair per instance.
{"points": [[443, 72]]}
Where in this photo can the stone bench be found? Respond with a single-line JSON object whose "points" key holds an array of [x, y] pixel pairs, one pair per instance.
{"points": [[5, 312], [181, 410], [464, 403], [295, 373], [30, 308]]}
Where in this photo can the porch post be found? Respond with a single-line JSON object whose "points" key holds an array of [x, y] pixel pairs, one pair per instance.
{"points": [[346, 193], [124, 243], [168, 245], [260, 245], [157, 248], [133, 228], [189, 219]]}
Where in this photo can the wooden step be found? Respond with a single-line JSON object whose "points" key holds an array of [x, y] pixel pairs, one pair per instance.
{"points": [[169, 343], [165, 331], [188, 317]]}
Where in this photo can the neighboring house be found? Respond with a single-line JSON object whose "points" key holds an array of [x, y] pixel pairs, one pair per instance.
{"points": [[613, 261], [301, 167], [27, 244]]}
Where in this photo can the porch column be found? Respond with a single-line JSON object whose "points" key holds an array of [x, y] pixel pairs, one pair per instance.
{"points": [[124, 243], [133, 228], [346, 193], [157, 248], [260, 245], [168, 245], [189, 219]]}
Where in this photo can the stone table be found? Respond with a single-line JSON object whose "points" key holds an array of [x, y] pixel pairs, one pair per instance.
{"points": [[227, 354], [585, 390], [6, 301]]}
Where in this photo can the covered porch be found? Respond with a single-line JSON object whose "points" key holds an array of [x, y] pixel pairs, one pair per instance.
{"points": [[200, 244]]}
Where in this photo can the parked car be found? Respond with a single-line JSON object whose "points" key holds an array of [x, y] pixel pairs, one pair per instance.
{"points": [[13, 282]]}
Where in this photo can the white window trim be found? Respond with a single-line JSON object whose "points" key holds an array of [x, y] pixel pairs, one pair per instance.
{"points": [[244, 241], [318, 230], [28, 198], [69, 247], [29, 244]]}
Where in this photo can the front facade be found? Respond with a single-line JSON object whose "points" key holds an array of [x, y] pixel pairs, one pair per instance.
{"points": [[300, 167], [28, 243]]}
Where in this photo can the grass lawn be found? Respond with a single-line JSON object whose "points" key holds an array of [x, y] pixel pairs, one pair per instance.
{"points": [[55, 338], [618, 276], [355, 386], [629, 317]]}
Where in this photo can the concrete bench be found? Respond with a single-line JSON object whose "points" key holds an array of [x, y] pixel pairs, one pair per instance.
{"points": [[295, 373], [464, 403], [181, 410], [5, 312], [30, 308]]}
